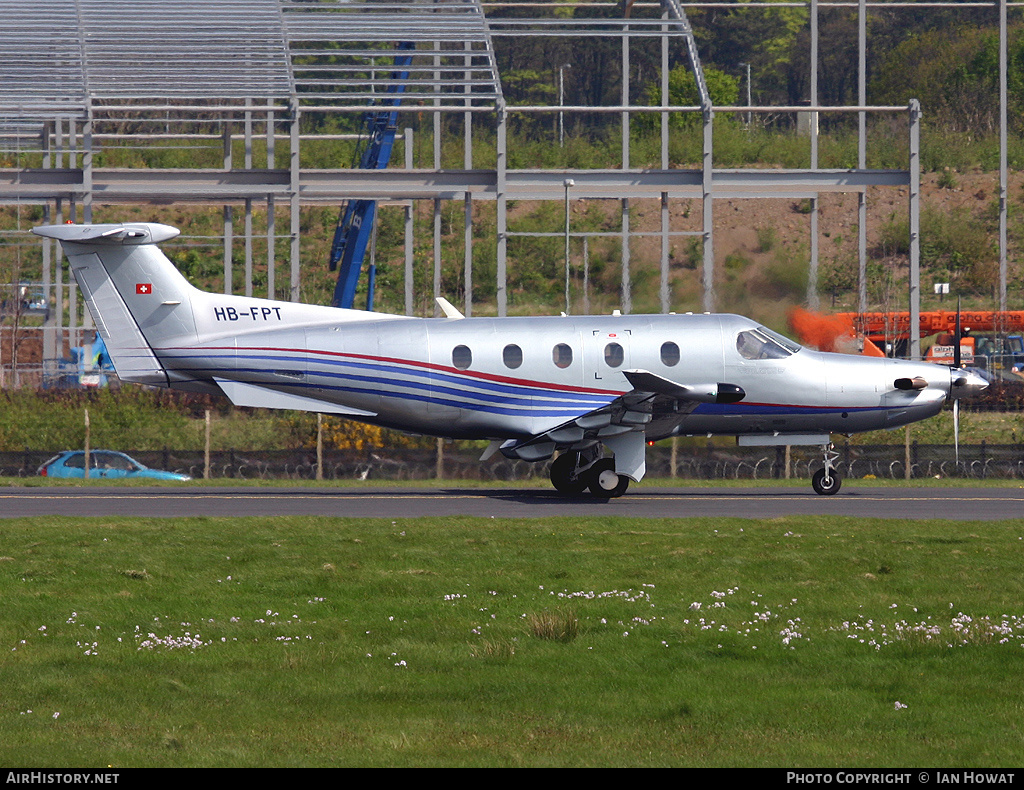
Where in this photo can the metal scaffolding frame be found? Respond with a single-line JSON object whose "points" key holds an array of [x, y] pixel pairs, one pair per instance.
{"points": [[73, 77]]}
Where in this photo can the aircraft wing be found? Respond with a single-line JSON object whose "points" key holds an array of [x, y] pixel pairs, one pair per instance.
{"points": [[622, 425]]}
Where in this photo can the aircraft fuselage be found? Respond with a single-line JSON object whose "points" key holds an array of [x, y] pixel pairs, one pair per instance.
{"points": [[571, 385], [494, 378]]}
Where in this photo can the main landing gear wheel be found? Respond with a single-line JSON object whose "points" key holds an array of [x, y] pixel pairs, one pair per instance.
{"points": [[826, 486], [604, 482], [565, 477]]}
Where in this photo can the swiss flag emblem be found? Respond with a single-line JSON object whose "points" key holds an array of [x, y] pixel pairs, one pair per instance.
{"points": [[143, 288]]}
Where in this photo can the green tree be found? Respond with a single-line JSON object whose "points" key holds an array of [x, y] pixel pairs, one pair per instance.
{"points": [[955, 74], [723, 88], [762, 37]]}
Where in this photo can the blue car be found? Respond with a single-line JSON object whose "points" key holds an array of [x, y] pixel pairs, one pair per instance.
{"points": [[102, 464]]}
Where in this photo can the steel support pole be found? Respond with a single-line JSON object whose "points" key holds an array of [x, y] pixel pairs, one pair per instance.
{"points": [[664, 91], [627, 283], [271, 244], [87, 194], [501, 287], [468, 251], [52, 295], [437, 115], [409, 235], [248, 247], [1003, 188], [87, 170], [812, 273], [58, 269], [229, 235], [228, 218], [814, 84], [437, 256], [247, 164], [467, 163], [293, 197], [561, 102], [665, 217], [625, 103], [586, 276], [813, 301], [915, 229], [568, 183], [73, 333], [666, 300], [862, 196], [708, 211], [247, 136]]}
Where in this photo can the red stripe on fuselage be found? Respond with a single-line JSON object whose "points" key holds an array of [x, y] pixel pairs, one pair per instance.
{"points": [[416, 364]]}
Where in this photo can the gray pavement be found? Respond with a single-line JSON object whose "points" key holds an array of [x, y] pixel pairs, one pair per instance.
{"points": [[640, 502]]}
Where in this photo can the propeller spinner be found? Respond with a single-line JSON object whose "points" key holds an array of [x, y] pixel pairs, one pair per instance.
{"points": [[963, 383]]}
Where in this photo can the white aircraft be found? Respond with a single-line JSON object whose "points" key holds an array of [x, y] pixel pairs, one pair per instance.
{"points": [[577, 386]]}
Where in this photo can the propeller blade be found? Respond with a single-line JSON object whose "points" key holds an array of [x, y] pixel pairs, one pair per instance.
{"points": [[956, 431]]}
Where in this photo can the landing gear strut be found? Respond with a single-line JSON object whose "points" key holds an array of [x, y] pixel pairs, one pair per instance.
{"points": [[826, 481]]}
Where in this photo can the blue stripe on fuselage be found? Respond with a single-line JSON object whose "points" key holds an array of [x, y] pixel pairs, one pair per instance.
{"points": [[500, 397]]}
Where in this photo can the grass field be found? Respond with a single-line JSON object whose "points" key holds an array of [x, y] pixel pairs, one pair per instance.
{"points": [[809, 642]]}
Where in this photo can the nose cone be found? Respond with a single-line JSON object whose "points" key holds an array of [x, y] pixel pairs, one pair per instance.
{"points": [[965, 383]]}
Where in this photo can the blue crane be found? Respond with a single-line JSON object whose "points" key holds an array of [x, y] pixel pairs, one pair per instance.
{"points": [[355, 222]]}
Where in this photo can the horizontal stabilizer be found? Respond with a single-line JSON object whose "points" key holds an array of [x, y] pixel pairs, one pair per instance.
{"points": [[126, 233], [254, 396]]}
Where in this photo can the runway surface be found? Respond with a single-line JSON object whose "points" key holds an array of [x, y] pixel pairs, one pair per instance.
{"points": [[963, 504]]}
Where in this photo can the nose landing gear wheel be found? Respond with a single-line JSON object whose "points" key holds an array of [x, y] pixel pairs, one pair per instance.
{"points": [[604, 482], [825, 486]]}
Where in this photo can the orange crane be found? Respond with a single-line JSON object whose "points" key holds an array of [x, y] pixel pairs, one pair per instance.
{"points": [[988, 338]]}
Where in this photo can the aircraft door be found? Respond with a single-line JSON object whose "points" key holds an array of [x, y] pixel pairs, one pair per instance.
{"points": [[607, 354], [449, 353], [402, 347]]}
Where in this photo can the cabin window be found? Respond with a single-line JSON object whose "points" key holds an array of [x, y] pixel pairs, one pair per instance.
{"points": [[512, 355], [462, 357], [562, 355], [613, 355], [669, 354], [762, 343]]}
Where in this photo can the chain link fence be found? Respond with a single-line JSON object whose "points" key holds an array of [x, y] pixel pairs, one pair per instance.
{"points": [[452, 461]]}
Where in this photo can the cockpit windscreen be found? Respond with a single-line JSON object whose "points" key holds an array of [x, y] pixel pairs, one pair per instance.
{"points": [[763, 343]]}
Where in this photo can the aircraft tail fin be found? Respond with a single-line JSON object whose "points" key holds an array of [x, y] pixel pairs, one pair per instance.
{"points": [[137, 297]]}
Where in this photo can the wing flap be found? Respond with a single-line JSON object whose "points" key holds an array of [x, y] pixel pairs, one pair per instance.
{"points": [[623, 422]]}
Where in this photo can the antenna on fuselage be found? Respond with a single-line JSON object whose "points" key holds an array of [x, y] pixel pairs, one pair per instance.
{"points": [[449, 310]]}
